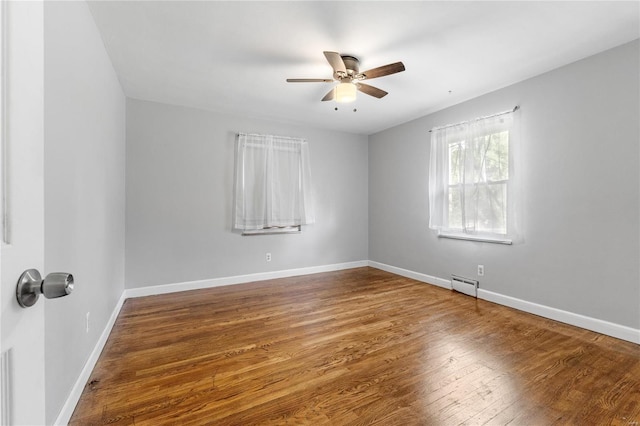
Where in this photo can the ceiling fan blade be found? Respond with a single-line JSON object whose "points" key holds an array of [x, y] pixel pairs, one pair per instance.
{"points": [[384, 70], [309, 80], [371, 91], [336, 62], [329, 96]]}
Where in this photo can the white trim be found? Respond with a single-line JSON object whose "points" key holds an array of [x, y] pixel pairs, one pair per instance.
{"points": [[468, 237], [239, 279], [599, 326], [76, 391], [293, 229], [6, 383], [593, 324], [429, 279], [4, 114], [78, 387]]}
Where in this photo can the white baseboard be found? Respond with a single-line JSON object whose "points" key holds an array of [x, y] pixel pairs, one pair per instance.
{"points": [[239, 279], [593, 324], [429, 279], [599, 326], [78, 387], [76, 392]]}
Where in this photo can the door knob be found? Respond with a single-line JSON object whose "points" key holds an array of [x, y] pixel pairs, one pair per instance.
{"points": [[31, 285]]}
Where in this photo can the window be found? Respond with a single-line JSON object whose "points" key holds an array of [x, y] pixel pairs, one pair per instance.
{"points": [[471, 180], [272, 184]]}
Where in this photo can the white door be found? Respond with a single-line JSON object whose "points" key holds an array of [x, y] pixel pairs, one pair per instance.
{"points": [[23, 395]]}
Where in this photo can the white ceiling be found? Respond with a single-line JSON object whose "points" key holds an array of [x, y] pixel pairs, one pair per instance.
{"points": [[235, 56]]}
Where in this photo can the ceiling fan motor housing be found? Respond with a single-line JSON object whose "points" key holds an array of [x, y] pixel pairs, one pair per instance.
{"points": [[352, 64]]}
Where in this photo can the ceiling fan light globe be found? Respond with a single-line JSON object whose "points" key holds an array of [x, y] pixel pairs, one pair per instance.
{"points": [[346, 92]]}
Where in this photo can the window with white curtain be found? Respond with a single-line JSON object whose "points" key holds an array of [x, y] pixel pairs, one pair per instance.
{"points": [[472, 185], [272, 184]]}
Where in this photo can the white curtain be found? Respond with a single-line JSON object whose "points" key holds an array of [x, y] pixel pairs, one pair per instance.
{"points": [[471, 185], [273, 182]]}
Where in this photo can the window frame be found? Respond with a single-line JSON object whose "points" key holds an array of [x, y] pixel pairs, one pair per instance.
{"points": [[264, 183], [446, 228]]}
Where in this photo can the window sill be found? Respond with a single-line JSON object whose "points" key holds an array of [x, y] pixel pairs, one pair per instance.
{"points": [[275, 230], [480, 239]]}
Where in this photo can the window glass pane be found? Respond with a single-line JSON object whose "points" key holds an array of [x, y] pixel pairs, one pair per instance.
{"points": [[496, 156], [455, 208], [272, 182], [455, 163], [285, 185], [491, 208], [474, 178], [486, 202], [478, 150]]}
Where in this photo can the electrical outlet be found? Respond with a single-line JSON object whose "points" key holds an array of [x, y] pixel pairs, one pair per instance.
{"points": [[480, 270], [87, 322], [268, 257]]}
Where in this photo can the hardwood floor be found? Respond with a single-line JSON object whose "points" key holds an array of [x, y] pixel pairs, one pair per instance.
{"points": [[354, 347]]}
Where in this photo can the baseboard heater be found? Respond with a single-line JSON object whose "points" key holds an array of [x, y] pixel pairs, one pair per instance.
{"points": [[464, 285]]}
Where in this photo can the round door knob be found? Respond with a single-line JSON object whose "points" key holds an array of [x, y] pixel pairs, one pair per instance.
{"points": [[31, 285], [57, 284]]}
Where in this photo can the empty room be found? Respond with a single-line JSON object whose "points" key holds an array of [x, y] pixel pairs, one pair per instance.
{"points": [[320, 212]]}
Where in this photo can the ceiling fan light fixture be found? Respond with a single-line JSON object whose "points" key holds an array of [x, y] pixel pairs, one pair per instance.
{"points": [[346, 72], [346, 92]]}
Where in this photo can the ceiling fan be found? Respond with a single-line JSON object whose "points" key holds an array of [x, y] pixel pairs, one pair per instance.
{"points": [[346, 72]]}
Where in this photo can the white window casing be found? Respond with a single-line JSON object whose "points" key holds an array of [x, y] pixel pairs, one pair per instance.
{"points": [[272, 184], [473, 186]]}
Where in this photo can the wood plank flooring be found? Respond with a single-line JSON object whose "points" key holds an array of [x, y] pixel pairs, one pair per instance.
{"points": [[354, 347]]}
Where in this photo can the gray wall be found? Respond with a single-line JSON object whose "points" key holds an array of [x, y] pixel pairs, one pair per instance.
{"points": [[84, 121], [580, 160], [180, 164], [580, 166]]}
